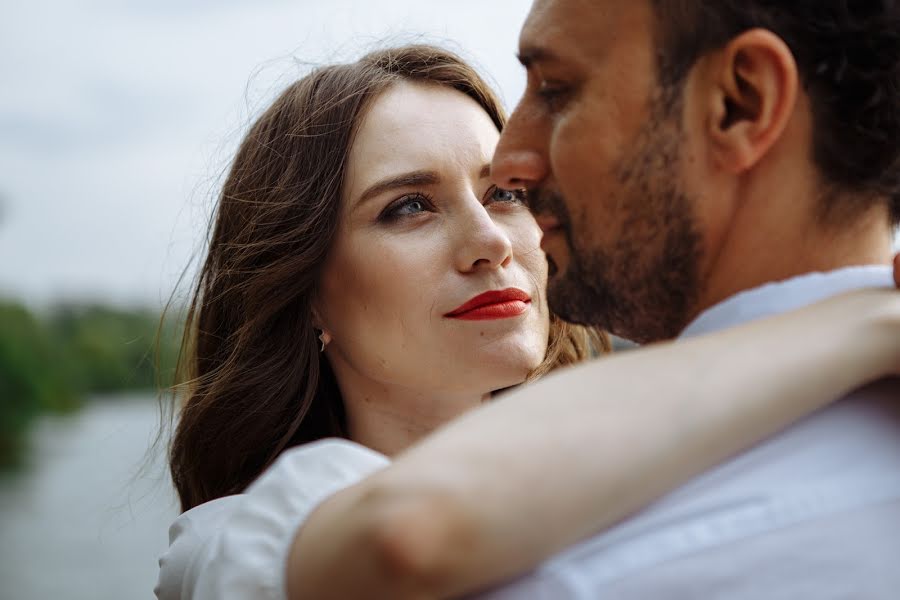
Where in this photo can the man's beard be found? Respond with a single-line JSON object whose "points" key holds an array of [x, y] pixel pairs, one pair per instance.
{"points": [[645, 285]]}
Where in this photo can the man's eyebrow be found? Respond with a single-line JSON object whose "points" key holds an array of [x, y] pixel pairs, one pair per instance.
{"points": [[404, 180], [529, 55], [485, 171]]}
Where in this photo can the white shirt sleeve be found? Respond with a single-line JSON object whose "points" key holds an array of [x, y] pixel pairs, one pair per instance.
{"points": [[236, 547]]}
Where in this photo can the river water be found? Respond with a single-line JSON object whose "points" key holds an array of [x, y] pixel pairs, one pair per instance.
{"points": [[87, 519]]}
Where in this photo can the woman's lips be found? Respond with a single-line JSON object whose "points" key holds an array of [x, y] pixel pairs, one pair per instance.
{"points": [[501, 310], [503, 304]]}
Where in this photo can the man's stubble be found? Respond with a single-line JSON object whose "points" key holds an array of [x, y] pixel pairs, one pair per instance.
{"points": [[644, 286]]}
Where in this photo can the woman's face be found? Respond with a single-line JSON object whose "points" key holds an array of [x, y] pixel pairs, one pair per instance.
{"points": [[423, 233]]}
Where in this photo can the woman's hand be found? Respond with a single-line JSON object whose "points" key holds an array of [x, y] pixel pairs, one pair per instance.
{"points": [[865, 325], [897, 270], [879, 339]]}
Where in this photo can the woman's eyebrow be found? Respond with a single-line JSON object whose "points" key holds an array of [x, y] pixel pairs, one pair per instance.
{"points": [[404, 180]]}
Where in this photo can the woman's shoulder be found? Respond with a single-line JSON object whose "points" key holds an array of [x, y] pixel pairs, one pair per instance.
{"points": [[241, 541], [325, 461], [309, 469]]}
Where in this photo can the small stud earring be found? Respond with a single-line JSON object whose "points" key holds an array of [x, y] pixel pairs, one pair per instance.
{"points": [[324, 338]]}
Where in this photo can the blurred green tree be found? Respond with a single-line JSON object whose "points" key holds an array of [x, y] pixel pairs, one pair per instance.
{"points": [[52, 363]]}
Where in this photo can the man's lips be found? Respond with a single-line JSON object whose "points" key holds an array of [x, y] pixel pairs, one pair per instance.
{"points": [[502, 304]]}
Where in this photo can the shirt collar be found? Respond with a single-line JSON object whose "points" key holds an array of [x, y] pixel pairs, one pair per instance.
{"points": [[783, 296]]}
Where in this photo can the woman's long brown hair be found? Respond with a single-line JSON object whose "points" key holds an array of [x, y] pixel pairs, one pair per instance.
{"points": [[254, 382]]}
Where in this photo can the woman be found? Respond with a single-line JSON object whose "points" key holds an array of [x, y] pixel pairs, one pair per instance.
{"points": [[366, 281]]}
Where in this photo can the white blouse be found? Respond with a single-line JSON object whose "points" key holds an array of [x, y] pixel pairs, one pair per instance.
{"points": [[236, 547]]}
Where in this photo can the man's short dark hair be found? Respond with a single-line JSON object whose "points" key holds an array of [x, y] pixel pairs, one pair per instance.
{"points": [[848, 55]]}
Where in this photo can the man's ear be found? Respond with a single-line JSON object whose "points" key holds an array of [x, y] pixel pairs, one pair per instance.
{"points": [[754, 90]]}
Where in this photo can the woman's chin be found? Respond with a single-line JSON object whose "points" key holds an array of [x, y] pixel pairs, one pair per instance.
{"points": [[508, 370]]}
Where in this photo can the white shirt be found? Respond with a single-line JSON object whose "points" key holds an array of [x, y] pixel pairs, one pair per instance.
{"points": [[236, 547], [812, 513]]}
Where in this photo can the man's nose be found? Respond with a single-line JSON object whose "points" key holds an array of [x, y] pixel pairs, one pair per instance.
{"points": [[520, 159], [516, 169]]}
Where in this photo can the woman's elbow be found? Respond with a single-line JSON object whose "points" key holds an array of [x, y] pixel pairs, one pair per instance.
{"points": [[381, 541], [421, 540]]}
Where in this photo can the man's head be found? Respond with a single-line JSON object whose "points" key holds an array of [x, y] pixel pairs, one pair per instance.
{"points": [[657, 137]]}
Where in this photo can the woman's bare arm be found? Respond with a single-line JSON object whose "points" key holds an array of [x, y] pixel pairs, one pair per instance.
{"points": [[498, 490]]}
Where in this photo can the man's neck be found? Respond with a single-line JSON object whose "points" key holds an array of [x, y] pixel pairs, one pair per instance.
{"points": [[757, 252]]}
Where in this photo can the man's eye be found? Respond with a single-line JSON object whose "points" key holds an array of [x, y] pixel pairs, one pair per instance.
{"points": [[552, 93]]}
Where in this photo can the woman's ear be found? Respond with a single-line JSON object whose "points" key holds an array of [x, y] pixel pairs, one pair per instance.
{"points": [[753, 90]]}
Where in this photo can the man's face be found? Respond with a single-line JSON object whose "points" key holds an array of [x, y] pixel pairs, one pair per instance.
{"points": [[601, 149]]}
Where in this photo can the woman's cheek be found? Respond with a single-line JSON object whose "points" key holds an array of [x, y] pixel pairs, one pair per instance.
{"points": [[529, 250], [402, 274]]}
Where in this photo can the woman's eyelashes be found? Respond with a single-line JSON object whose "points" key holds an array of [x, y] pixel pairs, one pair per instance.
{"points": [[419, 203], [407, 206], [495, 194]]}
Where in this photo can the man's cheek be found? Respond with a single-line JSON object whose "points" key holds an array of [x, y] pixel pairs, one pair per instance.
{"points": [[557, 252]]}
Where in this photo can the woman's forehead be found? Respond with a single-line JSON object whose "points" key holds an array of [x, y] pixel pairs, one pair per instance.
{"points": [[414, 127]]}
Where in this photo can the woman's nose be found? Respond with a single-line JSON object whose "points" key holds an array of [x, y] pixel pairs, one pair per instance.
{"points": [[484, 244]]}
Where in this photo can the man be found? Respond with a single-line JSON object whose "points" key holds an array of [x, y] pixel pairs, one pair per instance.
{"points": [[695, 165]]}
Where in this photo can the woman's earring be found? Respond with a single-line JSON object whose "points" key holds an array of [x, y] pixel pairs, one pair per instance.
{"points": [[324, 338]]}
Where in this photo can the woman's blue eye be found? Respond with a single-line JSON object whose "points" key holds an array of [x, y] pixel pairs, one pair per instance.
{"points": [[501, 195], [408, 206]]}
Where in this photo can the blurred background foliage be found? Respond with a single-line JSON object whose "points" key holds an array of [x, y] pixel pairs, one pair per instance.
{"points": [[53, 361]]}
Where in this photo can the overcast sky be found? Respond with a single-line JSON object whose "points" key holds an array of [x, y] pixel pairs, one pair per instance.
{"points": [[117, 119]]}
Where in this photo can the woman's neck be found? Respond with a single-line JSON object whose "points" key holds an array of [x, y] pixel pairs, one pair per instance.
{"points": [[389, 419]]}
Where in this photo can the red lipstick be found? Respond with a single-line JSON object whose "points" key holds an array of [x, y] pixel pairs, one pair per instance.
{"points": [[502, 304]]}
